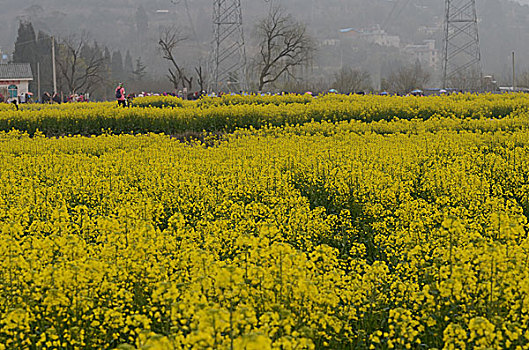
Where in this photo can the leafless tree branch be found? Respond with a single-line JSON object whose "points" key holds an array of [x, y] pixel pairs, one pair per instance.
{"points": [[170, 38], [406, 79], [80, 66], [284, 44]]}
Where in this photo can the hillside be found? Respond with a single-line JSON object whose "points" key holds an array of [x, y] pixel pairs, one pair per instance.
{"points": [[504, 24]]}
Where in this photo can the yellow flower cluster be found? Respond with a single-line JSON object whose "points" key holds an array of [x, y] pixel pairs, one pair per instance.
{"points": [[404, 234], [228, 113]]}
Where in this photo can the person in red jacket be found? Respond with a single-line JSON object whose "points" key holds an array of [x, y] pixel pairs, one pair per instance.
{"points": [[120, 95]]}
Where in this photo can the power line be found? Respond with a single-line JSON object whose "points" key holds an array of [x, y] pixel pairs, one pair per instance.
{"points": [[386, 21], [31, 41], [189, 18], [403, 8], [392, 16]]}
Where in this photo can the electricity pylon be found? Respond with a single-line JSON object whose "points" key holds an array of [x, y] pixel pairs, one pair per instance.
{"points": [[228, 59], [462, 55]]}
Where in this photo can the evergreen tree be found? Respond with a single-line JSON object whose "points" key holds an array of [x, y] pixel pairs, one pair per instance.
{"points": [[45, 60], [26, 50], [87, 52], [107, 87], [91, 52], [117, 65], [26, 44], [107, 57], [142, 20], [128, 66], [97, 50]]}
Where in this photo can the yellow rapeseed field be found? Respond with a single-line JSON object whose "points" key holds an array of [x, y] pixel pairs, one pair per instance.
{"points": [[351, 231], [173, 116]]}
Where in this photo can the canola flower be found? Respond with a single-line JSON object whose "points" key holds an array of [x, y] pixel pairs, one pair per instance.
{"points": [[173, 116], [400, 234]]}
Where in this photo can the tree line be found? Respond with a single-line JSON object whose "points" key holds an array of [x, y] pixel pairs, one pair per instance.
{"points": [[82, 65], [282, 51]]}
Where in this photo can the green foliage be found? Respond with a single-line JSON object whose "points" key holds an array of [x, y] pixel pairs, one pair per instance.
{"points": [[173, 116], [406, 234]]}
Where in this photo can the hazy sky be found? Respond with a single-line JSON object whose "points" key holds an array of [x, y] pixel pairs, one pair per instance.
{"points": [[504, 27]]}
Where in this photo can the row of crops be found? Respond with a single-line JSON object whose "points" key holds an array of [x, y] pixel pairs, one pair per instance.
{"points": [[405, 233], [173, 116]]}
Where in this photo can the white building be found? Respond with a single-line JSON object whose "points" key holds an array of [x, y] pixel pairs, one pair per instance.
{"points": [[430, 30], [14, 79], [330, 42], [380, 37], [375, 36], [425, 53]]}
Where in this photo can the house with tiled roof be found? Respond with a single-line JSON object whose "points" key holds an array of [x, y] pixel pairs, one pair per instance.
{"points": [[14, 79]]}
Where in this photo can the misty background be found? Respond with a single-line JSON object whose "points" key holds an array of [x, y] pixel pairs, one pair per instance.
{"points": [[371, 35]]}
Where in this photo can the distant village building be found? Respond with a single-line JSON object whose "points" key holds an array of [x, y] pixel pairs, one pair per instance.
{"points": [[380, 37], [430, 30], [14, 79], [425, 53], [330, 42], [375, 36]]}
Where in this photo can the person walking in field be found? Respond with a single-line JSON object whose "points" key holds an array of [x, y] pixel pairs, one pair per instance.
{"points": [[56, 98], [46, 97], [120, 95]]}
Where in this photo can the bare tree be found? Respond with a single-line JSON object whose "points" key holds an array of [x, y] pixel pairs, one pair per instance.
{"points": [[170, 38], [201, 78], [406, 79], [523, 80], [349, 80], [468, 80], [284, 44], [81, 67]]}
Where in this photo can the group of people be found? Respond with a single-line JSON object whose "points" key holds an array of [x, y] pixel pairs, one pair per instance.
{"points": [[49, 98], [20, 99], [126, 100], [45, 98]]}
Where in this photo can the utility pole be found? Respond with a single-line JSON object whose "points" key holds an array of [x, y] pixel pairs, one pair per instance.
{"points": [[228, 60], [513, 73], [53, 65], [38, 82], [462, 54]]}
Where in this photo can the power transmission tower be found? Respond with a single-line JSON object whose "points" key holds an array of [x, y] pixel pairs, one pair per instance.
{"points": [[462, 55], [228, 62]]}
